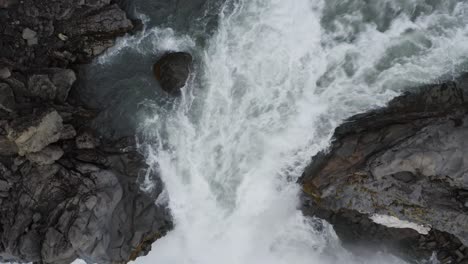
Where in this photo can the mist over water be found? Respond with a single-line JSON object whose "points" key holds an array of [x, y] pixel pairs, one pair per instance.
{"points": [[271, 84]]}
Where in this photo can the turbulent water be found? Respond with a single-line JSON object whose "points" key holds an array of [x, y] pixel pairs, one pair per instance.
{"points": [[271, 83]]}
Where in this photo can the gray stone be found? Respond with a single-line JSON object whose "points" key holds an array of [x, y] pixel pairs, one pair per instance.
{"points": [[63, 81], [47, 156], [7, 99], [7, 147], [96, 3], [5, 172], [41, 86], [29, 246], [4, 73], [86, 168], [110, 20], [68, 132], [18, 88], [84, 234], [30, 36], [98, 47], [56, 248], [37, 217], [62, 37], [86, 140], [4, 186], [404, 176], [33, 133]]}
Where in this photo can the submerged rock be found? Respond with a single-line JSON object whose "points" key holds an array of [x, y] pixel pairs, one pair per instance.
{"points": [[172, 71]]}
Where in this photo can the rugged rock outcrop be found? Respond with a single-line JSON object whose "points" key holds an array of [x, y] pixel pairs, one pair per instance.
{"points": [[408, 160], [55, 209], [172, 71], [37, 34], [64, 191]]}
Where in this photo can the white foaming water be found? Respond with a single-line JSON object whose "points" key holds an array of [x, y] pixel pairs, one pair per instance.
{"points": [[275, 80]]}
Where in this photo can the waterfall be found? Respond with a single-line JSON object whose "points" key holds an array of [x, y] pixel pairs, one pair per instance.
{"points": [[270, 86]]}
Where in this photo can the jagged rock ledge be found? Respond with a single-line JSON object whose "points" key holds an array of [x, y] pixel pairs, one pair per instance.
{"points": [[408, 160], [65, 192]]}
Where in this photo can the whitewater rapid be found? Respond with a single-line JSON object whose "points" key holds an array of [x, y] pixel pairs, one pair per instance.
{"points": [[269, 88]]}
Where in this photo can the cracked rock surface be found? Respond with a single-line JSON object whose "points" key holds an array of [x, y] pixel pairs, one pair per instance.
{"points": [[65, 192], [407, 160]]}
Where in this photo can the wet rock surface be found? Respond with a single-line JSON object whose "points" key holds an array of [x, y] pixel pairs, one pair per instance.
{"points": [[172, 71], [65, 193], [407, 160]]}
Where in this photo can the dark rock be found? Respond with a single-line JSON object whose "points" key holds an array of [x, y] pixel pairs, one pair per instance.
{"points": [[41, 86], [18, 87], [90, 213], [96, 3], [404, 176], [68, 132], [91, 156], [121, 146], [63, 80], [4, 186], [58, 202], [406, 160], [86, 140], [7, 99], [7, 3], [172, 71], [35, 132], [109, 20]]}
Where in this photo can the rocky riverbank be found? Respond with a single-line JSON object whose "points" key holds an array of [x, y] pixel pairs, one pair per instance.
{"points": [[65, 192], [408, 161]]}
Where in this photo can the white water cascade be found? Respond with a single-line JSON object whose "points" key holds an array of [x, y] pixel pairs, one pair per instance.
{"points": [[274, 81]]}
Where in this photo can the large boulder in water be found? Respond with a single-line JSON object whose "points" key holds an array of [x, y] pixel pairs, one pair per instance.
{"points": [[172, 71]]}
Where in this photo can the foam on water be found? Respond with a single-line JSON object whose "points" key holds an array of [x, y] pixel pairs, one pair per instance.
{"points": [[274, 81]]}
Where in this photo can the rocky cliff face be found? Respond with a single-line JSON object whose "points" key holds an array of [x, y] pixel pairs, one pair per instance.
{"points": [[408, 160], [65, 192]]}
